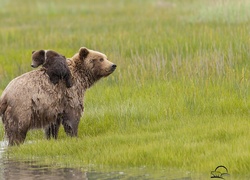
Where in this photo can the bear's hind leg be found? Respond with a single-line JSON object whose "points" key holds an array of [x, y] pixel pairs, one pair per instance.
{"points": [[16, 138], [15, 134]]}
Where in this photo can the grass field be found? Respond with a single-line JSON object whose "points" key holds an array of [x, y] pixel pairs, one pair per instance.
{"points": [[179, 97]]}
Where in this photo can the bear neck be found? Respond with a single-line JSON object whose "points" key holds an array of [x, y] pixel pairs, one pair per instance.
{"points": [[84, 77], [89, 78]]}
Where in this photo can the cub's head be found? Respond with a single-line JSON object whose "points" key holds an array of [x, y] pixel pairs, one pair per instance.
{"points": [[94, 62], [40, 57]]}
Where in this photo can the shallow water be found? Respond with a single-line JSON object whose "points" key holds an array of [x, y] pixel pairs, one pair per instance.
{"points": [[29, 169]]}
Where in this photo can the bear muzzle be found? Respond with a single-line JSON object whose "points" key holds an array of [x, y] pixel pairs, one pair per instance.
{"points": [[33, 66], [108, 71], [113, 67]]}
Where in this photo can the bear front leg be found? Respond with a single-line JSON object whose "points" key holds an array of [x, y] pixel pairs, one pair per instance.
{"points": [[68, 83], [54, 79], [68, 80], [70, 123], [53, 128]]}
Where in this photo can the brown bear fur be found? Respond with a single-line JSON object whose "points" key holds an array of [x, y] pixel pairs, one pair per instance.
{"points": [[31, 101], [54, 64]]}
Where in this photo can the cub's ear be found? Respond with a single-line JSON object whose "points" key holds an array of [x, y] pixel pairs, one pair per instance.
{"points": [[38, 53], [42, 51], [83, 52]]}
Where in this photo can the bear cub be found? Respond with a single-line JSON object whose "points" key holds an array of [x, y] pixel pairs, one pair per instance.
{"points": [[55, 65]]}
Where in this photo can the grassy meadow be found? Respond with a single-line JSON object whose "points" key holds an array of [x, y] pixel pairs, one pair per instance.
{"points": [[179, 98]]}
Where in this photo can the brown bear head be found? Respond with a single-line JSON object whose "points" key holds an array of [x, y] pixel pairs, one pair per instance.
{"points": [[41, 56], [38, 58], [94, 62]]}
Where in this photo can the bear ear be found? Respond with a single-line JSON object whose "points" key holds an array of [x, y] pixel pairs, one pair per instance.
{"points": [[83, 52], [39, 53], [42, 52]]}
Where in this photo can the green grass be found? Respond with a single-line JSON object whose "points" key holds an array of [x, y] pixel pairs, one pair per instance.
{"points": [[179, 97]]}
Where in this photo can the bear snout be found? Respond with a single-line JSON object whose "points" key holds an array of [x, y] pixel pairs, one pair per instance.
{"points": [[113, 67], [34, 65]]}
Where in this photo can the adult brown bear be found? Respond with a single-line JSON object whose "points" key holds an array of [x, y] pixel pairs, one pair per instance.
{"points": [[33, 101]]}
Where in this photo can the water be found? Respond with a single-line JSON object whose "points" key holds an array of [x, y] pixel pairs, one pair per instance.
{"points": [[30, 169]]}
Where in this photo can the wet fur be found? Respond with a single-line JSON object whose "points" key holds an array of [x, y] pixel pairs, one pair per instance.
{"points": [[32, 101], [54, 65]]}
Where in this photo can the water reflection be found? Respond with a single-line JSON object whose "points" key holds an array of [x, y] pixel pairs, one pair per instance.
{"points": [[29, 170]]}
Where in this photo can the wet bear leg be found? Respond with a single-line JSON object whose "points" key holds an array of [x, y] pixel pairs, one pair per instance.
{"points": [[70, 123], [53, 128], [15, 134]]}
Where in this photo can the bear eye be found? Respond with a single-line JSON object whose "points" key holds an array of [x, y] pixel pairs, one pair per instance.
{"points": [[101, 59]]}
